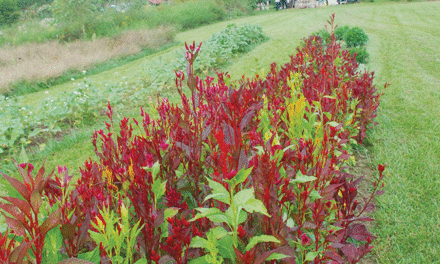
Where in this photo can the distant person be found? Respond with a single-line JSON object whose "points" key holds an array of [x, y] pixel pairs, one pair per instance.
{"points": [[284, 4], [277, 5]]}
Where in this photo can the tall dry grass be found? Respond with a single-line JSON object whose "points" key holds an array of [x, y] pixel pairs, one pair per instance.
{"points": [[37, 62]]}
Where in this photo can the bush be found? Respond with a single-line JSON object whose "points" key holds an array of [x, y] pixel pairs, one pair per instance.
{"points": [[355, 37], [361, 54], [9, 12], [340, 32]]}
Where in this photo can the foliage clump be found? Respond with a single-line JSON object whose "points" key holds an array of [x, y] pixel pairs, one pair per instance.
{"points": [[354, 38], [240, 172]]}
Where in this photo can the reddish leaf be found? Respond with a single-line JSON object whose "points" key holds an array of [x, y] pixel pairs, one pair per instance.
{"points": [[15, 225], [52, 221], [334, 256], [22, 205], [36, 201], [67, 231], [286, 250], [40, 174], [19, 186], [246, 119], [379, 192], [350, 251], [14, 211], [359, 232], [19, 253]]}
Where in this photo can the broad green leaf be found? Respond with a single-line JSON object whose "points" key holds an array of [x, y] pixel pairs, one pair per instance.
{"points": [[169, 212], [155, 170], [242, 216], [218, 232], [259, 239], [260, 150], [255, 205], [333, 124], [302, 178], [199, 242], [205, 212], [240, 177], [199, 260], [158, 188], [311, 256], [243, 197], [219, 192], [314, 195], [92, 256], [219, 218], [275, 255], [226, 250]]}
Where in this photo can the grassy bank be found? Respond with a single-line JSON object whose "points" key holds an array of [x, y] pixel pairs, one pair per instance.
{"points": [[404, 51]]}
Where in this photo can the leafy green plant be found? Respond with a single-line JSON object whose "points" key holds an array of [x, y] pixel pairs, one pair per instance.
{"points": [[355, 37], [340, 32], [361, 54], [226, 243], [115, 235]]}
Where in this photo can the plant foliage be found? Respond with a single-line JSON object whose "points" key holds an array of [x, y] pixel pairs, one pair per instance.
{"points": [[240, 172]]}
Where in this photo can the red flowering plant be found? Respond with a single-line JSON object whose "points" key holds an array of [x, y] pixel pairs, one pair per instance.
{"points": [[246, 171]]}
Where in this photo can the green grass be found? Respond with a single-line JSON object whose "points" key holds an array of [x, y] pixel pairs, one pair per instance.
{"points": [[404, 49]]}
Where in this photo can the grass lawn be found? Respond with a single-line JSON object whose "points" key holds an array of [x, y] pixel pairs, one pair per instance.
{"points": [[404, 49]]}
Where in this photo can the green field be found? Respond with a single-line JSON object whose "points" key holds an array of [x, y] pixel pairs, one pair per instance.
{"points": [[404, 49]]}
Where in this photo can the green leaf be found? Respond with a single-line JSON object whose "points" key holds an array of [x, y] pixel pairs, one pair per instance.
{"points": [[302, 178], [219, 192], [243, 196], [259, 239], [215, 213], [255, 205], [199, 242], [34, 133], [199, 260], [277, 256], [92, 256], [333, 124], [260, 150], [169, 212], [311, 256], [155, 170], [314, 195], [240, 177], [158, 188], [218, 232], [226, 249]]}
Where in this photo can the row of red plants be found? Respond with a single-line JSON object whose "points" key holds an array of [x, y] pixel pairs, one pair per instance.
{"points": [[250, 171]]}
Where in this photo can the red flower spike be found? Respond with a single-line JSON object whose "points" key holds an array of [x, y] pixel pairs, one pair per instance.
{"points": [[305, 240]]}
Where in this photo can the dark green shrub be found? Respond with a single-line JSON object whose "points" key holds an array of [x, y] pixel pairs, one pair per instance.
{"points": [[355, 37], [9, 12], [361, 54], [340, 32]]}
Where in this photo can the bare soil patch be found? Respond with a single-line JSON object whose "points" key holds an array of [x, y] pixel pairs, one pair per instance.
{"points": [[34, 62]]}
